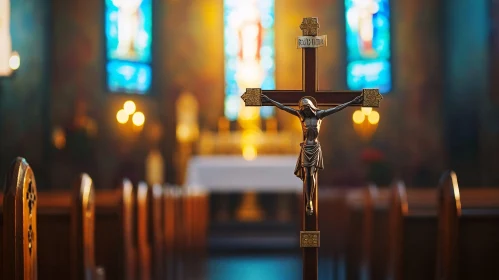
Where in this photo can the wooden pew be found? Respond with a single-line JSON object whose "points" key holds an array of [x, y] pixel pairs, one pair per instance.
{"points": [[468, 231], [377, 242], [66, 233], [412, 233], [358, 231], [156, 231], [20, 223], [142, 226], [54, 235], [367, 226], [195, 215], [332, 222], [114, 232], [150, 231], [172, 234], [185, 224], [83, 228]]}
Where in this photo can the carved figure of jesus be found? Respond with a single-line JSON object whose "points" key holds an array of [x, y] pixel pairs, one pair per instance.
{"points": [[128, 26], [310, 159]]}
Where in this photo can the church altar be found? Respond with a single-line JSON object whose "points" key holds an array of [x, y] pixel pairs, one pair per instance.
{"points": [[233, 173]]}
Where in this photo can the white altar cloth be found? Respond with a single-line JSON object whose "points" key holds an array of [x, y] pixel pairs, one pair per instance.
{"points": [[235, 174]]}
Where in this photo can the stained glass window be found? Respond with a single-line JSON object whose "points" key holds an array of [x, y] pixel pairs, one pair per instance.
{"points": [[368, 44], [5, 39], [249, 51], [128, 45]]}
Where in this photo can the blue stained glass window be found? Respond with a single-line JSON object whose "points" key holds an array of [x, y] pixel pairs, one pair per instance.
{"points": [[249, 51], [128, 77], [128, 45], [368, 44]]}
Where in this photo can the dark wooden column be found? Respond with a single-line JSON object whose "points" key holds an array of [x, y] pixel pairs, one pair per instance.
{"points": [[310, 230]]}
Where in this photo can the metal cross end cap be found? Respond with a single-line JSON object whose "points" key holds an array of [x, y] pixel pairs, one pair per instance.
{"points": [[310, 26], [310, 239], [372, 98], [252, 97]]}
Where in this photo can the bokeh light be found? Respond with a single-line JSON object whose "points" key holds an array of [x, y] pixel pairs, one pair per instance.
{"points": [[138, 119], [15, 61], [249, 152], [59, 138], [373, 118], [366, 110], [358, 117], [129, 107], [122, 116]]}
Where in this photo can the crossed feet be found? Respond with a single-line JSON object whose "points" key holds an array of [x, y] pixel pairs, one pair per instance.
{"points": [[310, 208]]}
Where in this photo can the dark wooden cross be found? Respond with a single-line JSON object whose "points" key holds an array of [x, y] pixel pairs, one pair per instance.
{"points": [[309, 42]]}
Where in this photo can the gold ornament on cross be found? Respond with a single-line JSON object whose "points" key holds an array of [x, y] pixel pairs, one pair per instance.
{"points": [[310, 26]]}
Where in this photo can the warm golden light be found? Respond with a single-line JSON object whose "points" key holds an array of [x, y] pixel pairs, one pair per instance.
{"points": [[249, 152], [183, 132], [358, 117], [15, 61], [249, 113], [59, 138], [373, 118], [187, 133], [129, 107], [187, 117], [138, 119], [122, 116], [366, 110], [249, 136]]}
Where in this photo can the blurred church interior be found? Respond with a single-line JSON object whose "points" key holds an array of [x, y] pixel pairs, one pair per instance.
{"points": [[149, 90]]}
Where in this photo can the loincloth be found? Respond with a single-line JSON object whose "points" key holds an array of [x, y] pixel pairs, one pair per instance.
{"points": [[310, 156]]}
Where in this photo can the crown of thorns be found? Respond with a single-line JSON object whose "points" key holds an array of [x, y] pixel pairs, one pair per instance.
{"points": [[308, 101]]}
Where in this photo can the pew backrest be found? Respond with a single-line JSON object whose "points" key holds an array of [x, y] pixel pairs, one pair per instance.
{"points": [[143, 246], [376, 224], [156, 230], [359, 220], [114, 227], [195, 216], [449, 211], [468, 228], [66, 228], [398, 208], [19, 217], [412, 232], [172, 233], [83, 227], [128, 222]]}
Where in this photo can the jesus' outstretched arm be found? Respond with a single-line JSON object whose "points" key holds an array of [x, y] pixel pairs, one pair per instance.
{"points": [[330, 111], [280, 106]]}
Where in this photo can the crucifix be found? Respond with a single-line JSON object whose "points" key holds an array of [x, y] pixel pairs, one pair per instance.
{"points": [[310, 160]]}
